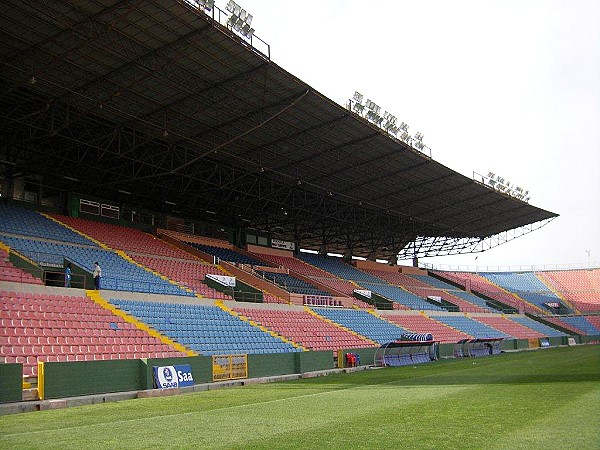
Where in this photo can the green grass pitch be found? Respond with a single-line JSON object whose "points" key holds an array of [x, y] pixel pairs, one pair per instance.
{"points": [[545, 399]]}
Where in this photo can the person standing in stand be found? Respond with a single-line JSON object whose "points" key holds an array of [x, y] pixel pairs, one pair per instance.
{"points": [[97, 274], [68, 275]]}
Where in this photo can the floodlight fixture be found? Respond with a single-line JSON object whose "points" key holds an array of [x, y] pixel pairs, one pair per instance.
{"points": [[247, 31], [374, 117], [390, 122], [206, 4], [231, 6], [373, 106], [390, 128], [239, 20], [419, 145], [491, 175], [419, 136], [404, 127], [358, 97], [247, 18], [358, 108]]}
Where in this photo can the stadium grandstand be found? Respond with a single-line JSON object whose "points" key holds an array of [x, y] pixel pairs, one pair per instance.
{"points": [[213, 188]]}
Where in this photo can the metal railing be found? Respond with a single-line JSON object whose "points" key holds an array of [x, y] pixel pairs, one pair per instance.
{"points": [[57, 278], [509, 268]]}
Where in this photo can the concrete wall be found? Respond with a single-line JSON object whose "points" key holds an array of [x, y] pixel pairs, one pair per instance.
{"points": [[375, 266], [269, 251], [255, 281]]}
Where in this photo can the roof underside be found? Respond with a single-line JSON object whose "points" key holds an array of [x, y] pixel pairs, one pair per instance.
{"points": [[157, 99]]}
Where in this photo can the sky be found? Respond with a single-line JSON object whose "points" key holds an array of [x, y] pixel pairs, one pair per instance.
{"points": [[504, 86]]}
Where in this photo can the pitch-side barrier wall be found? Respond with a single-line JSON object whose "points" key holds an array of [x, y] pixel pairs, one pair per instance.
{"points": [[72, 379], [69, 379], [11, 382]]}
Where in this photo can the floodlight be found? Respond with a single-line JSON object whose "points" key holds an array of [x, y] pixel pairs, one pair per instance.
{"points": [[206, 4], [230, 6], [404, 127], [392, 129], [390, 121], [232, 20], [491, 175], [491, 182], [405, 136], [374, 117], [247, 31], [373, 106], [358, 108], [358, 97], [419, 136], [239, 20], [235, 22]]}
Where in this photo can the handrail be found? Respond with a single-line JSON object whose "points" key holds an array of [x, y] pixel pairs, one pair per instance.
{"points": [[510, 268]]}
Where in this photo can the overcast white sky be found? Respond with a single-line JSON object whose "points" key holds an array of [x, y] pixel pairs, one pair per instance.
{"points": [[507, 86]]}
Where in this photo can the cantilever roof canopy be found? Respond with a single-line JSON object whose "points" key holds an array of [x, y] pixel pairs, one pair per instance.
{"points": [[155, 101]]}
